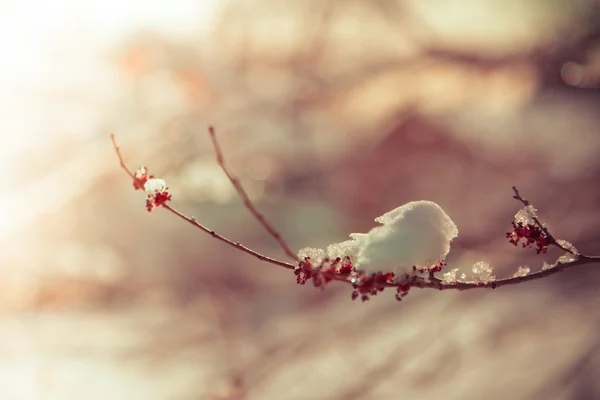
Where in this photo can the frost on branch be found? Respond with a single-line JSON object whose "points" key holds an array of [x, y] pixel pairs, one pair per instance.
{"points": [[522, 271], [483, 272], [567, 246], [564, 259], [546, 266], [449, 277], [417, 234], [526, 215]]}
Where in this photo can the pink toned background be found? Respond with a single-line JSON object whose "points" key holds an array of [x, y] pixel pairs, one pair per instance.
{"points": [[331, 112]]}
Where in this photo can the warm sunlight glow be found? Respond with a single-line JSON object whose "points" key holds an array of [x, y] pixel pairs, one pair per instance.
{"points": [[57, 81], [58, 85]]}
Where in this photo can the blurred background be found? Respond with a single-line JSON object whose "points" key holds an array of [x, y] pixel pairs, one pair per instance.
{"points": [[331, 112]]}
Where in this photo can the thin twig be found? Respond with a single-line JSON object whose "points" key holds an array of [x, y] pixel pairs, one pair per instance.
{"points": [[247, 202], [237, 245], [192, 221], [118, 151]]}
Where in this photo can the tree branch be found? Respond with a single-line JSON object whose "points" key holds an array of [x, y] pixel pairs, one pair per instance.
{"points": [[192, 221], [118, 151], [321, 276], [525, 202], [581, 260], [247, 202], [196, 224]]}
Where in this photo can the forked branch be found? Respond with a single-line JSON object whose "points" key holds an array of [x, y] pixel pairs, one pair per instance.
{"points": [[247, 202], [192, 221], [342, 270]]}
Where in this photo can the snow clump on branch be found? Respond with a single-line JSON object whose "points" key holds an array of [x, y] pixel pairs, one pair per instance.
{"points": [[412, 237], [157, 193]]}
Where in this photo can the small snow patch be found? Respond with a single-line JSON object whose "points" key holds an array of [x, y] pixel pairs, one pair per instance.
{"points": [[154, 186], [522, 271], [483, 272], [526, 215]]}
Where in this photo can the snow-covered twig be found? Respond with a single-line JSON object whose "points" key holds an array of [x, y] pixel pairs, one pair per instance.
{"points": [[560, 266], [414, 223], [535, 219]]}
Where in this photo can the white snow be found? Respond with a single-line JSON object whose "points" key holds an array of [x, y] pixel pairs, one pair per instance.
{"points": [[415, 234], [526, 215], [546, 266], [450, 276], [154, 186], [566, 258], [349, 248], [567, 245], [315, 255], [483, 272]]}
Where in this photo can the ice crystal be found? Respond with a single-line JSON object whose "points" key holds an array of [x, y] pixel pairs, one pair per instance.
{"points": [[567, 245], [522, 271], [566, 258], [526, 215], [483, 272], [546, 266], [450, 276]]}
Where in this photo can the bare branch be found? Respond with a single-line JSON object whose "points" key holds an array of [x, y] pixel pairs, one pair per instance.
{"points": [[118, 151], [247, 202], [237, 245]]}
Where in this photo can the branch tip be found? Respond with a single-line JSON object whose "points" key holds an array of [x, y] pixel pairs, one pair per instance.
{"points": [[246, 200]]}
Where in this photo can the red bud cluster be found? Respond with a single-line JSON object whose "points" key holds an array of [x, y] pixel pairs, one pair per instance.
{"points": [[530, 234]]}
